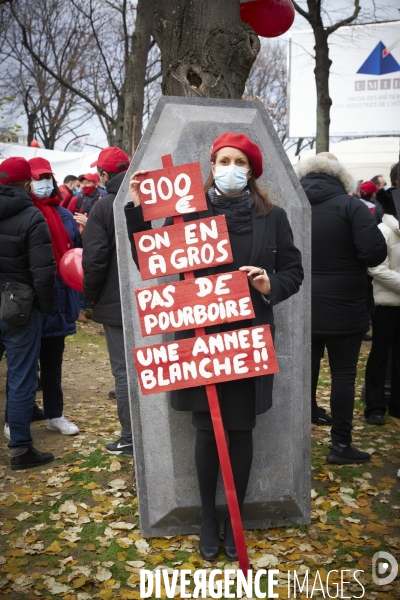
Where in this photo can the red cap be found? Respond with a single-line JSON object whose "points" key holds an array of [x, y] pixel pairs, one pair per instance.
{"points": [[368, 187], [110, 158], [39, 166], [15, 170], [89, 177], [240, 141]]}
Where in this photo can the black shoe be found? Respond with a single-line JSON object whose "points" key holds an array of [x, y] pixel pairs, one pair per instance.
{"points": [[121, 446], [209, 540], [229, 541], [31, 458], [346, 456], [111, 394], [376, 419], [321, 417], [38, 414]]}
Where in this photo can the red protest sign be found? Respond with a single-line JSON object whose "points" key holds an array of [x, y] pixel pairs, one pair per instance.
{"points": [[183, 247], [172, 191], [194, 303], [205, 360]]}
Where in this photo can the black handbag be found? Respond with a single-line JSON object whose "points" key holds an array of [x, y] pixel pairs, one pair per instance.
{"points": [[16, 300]]}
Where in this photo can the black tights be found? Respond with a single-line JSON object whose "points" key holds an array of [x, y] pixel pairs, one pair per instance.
{"points": [[207, 465]]}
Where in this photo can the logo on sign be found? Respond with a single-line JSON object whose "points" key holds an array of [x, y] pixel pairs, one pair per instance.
{"points": [[380, 61]]}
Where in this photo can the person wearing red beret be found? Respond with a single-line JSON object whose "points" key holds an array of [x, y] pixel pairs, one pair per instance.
{"points": [[27, 265], [368, 191], [262, 246]]}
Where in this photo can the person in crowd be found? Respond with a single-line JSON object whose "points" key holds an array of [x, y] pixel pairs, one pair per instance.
{"points": [[101, 284], [84, 203], [260, 234], [70, 185], [26, 257], [100, 185], [379, 181], [385, 321], [64, 236], [345, 242], [394, 175], [368, 191]]}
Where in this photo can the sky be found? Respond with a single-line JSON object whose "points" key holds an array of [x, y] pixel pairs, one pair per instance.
{"points": [[335, 10]]}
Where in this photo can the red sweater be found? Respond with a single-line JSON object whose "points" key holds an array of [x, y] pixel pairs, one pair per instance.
{"points": [[66, 194]]}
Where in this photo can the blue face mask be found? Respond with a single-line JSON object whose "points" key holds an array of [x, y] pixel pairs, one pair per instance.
{"points": [[230, 180], [77, 192], [43, 188]]}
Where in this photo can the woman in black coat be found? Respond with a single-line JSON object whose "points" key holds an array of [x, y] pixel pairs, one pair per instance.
{"points": [[260, 235]]}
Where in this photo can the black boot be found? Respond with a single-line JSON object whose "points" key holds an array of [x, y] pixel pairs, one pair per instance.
{"points": [[229, 541], [37, 414], [31, 458], [347, 455], [321, 417], [209, 539]]}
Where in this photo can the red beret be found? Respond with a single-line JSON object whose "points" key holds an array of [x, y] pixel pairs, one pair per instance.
{"points": [[110, 158], [368, 187], [15, 170], [240, 141], [89, 177], [39, 166]]}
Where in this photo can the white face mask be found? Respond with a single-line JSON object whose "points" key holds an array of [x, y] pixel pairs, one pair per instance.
{"points": [[230, 180], [43, 188]]}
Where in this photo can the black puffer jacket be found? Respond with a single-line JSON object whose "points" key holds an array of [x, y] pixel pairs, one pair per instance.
{"points": [[345, 241], [26, 254], [101, 281]]}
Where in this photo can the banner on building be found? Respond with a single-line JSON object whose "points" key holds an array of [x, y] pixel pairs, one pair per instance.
{"points": [[364, 81]]}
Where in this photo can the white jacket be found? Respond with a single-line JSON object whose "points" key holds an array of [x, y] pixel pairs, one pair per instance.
{"points": [[386, 282]]}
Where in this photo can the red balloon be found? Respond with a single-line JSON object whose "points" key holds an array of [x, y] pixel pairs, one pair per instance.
{"points": [[34, 144], [268, 18], [71, 269]]}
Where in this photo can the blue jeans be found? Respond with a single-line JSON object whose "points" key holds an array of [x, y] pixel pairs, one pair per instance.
{"points": [[22, 344]]}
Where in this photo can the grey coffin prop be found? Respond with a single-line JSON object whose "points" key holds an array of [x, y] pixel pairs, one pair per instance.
{"points": [[279, 488]]}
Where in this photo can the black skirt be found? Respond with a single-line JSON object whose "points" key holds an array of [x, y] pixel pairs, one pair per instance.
{"points": [[237, 400]]}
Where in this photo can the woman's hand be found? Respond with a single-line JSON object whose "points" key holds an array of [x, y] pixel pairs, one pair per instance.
{"points": [[258, 278], [134, 187], [81, 221]]}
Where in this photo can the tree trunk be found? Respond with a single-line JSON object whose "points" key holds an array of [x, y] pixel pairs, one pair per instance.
{"points": [[206, 49], [324, 102], [31, 117], [135, 82]]}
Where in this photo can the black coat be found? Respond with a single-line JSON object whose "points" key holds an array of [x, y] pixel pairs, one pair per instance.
{"points": [[101, 281], [272, 249], [26, 253], [345, 242]]}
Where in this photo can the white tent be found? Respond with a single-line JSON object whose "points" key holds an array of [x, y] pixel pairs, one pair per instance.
{"points": [[63, 163], [363, 157]]}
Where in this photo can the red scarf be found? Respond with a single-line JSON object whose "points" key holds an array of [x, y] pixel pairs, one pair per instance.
{"points": [[60, 239]]}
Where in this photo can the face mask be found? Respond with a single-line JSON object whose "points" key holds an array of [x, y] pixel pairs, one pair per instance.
{"points": [[230, 180], [43, 188], [88, 189], [76, 192]]}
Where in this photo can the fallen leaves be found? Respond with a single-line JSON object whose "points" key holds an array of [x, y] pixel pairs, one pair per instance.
{"points": [[89, 510]]}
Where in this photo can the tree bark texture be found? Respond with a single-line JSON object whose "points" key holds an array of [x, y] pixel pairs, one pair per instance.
{"points": [[206, 49], [135, 81]]}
